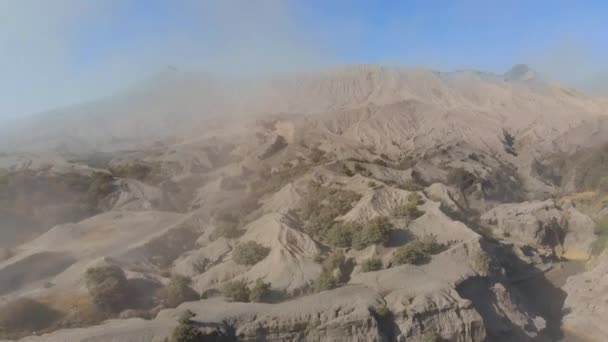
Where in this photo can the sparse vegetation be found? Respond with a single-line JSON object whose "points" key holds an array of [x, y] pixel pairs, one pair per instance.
{"points": [[108, 287], [176, 292], [135, 170], [226, 225], [24, 316], [509, 142], [260, 291], [249, 253], [381, 312], [341, 234], [323, 206], [417, 252], [431, 337], [237, 291], [601, 232], [410, 209], [186, 331], [371, 264], [325, 281], [375, 232]]}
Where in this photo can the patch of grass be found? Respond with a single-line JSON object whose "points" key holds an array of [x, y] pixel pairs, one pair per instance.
{"points": [[371, 264], [249, 253]]}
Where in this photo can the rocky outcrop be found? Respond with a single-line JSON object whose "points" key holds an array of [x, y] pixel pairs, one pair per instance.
{"points": [[558, 228], [586, 306]]}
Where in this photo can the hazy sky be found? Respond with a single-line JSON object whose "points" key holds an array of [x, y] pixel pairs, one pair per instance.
{"points": [[58, 52]]}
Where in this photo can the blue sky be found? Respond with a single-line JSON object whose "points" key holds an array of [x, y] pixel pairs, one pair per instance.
{"points": [[60, 52]]}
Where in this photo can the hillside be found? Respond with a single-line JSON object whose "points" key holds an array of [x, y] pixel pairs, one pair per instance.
{"points": [[363, 203]]}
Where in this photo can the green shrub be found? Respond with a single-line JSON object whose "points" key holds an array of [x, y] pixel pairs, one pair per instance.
{"points": [[374, 232], [249, 253], [410, 209], [25, 315], [382, 312], [415, 197], [371, 264], [237, 291], [108, 287], [340, 235], [176, 292], [186, 331], [260, 291], [325, 281], [417, 252], [323, 205]]}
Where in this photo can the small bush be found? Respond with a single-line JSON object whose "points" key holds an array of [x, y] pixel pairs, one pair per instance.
{"points": [[431, 337], [382, 312], [186, 331], [108, 287], [409, 210], [371, 264], [249, 253], [415, 197], [325, 281], [260, 291], [176, 292], [376, 231], [25, 315], [417, 252], [323, 205], [237, 291], [340, 235]]}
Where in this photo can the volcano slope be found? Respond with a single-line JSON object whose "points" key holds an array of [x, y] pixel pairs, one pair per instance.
{"points": [[363, 203]]}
